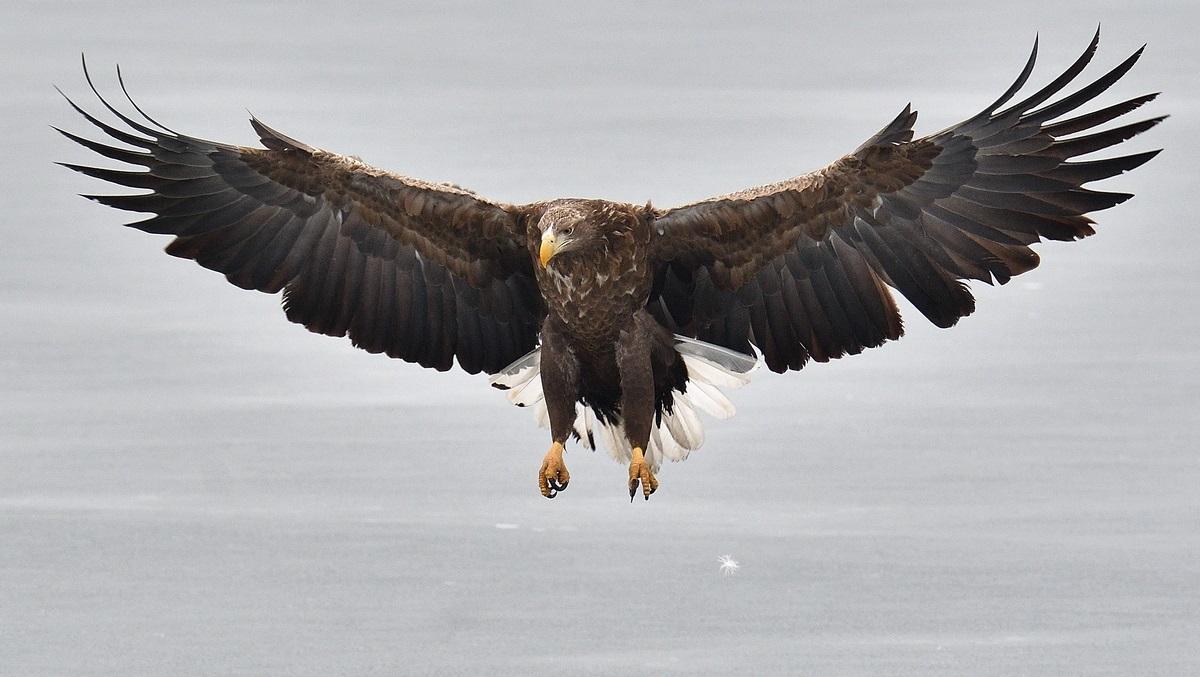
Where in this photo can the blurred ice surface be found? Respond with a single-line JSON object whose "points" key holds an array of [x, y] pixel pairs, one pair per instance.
{"points": [[190, 485]]}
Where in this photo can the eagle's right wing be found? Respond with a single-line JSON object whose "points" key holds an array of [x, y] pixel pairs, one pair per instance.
{"points": [[801, 268], [423, 272]]}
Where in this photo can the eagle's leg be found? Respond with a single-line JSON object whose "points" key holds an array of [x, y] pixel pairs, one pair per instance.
{"points": [[560, 387], [637, 400]]}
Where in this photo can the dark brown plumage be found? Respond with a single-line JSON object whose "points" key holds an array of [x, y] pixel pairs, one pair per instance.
{"points": [[800, 269]]}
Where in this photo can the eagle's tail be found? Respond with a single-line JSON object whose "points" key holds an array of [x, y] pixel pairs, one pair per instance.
{"points": [[677, 431]]}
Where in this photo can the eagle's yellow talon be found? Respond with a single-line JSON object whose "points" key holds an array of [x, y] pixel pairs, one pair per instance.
{"points": [[553, 476], [639, 474]]}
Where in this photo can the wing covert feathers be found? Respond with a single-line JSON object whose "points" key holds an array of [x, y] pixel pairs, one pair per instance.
{"points": [[801, 268], [424, 272]]}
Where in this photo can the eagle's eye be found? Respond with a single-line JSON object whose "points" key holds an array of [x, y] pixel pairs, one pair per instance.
{"points": [[568, 231]]}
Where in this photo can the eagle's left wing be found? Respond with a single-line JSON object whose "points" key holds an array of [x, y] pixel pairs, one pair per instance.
{"points": [[425, 272], [801, 268]]}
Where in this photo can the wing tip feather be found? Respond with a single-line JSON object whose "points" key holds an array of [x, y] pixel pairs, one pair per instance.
{"points": [[136, 107], [276, 140]]}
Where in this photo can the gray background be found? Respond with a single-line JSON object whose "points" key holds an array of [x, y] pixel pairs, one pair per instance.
{"points": [[191, 485]]}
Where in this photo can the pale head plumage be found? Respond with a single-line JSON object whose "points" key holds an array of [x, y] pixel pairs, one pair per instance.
{"points": [[568, 227]]}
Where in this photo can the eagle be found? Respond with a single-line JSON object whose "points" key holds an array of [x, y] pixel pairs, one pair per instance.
{"points": [[621, 321]]}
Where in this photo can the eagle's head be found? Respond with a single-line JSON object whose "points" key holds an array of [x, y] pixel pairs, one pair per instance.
{"points": [[566, 229]]}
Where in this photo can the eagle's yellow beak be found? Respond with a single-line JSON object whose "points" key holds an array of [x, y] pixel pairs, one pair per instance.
{"points": [[549, 247]]}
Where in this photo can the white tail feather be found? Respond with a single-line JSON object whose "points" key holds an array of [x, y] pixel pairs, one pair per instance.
{"points": [[710, 400], [583, 426], [618, 444], [655, 450], [527, 394], [729, 360], [684, 425], [711, 373], [679, 432], [520, 372]]}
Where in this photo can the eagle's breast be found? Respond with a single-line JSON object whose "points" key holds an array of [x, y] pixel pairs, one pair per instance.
{"points": [[595, 293]]}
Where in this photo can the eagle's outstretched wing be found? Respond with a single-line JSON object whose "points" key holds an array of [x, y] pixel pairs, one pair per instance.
{"points": [[800, 268], [421, 271]]}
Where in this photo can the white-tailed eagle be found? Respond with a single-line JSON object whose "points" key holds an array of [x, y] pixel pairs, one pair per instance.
{"points": [[617, 320]]}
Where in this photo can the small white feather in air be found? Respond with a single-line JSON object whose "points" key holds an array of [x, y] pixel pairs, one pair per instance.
{"points": [[729, 565]]}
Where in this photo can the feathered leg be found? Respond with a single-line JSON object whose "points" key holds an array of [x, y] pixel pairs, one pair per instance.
{"points": [[633, 352], [560, 386]]}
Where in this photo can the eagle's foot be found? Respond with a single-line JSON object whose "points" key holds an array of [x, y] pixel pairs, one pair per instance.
{"points": [[639, 473], [553, 477]]}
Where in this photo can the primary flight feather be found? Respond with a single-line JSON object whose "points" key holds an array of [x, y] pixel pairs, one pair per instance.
{"points": [[615, 320]]}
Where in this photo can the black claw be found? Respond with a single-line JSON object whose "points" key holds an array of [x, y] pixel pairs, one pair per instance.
{"points": [[633, 487], [551, 494]]}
